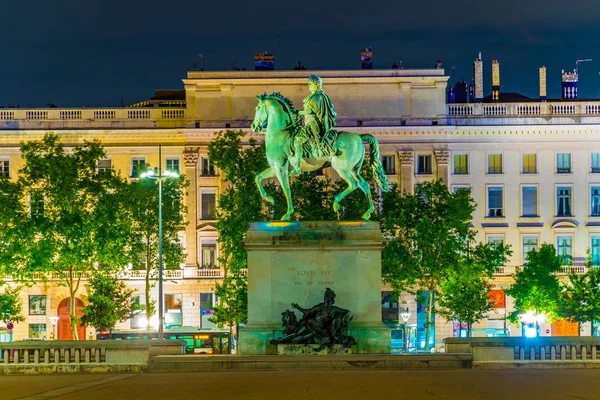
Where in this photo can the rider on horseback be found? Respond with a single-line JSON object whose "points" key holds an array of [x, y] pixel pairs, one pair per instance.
{"points": [[319, 119]]}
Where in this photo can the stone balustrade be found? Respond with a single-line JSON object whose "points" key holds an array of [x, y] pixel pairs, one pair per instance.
{"points": [[519, 349], [84, 118], [95, 352], [171, 274], [577, 268], [541, 112]]}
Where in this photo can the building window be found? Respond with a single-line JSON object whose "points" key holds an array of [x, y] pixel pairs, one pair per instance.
{"points": [[104, 165], [564, 244], [173, 165], [209, 255], [529, 164], [389, 164], [530, 201], [497, 240], [595, 163], [563, 201], [37, 331], [563, 163], [424, 164], [37, 305], [36, 204], [138, 165], [529, 243], [173, 310], [461, 164], [207, 302], [5, 168], [595, 250], [455, 189], [208, 205], [208, 169], [494, 163], [495, 202], [595, 201]]}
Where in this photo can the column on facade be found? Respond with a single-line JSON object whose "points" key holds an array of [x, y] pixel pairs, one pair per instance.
{"points": [[441, 159], [190, 157], [407, 171]]}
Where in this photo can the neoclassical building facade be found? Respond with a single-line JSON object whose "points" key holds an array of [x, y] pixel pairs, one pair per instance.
{"points": [[533, 169]]}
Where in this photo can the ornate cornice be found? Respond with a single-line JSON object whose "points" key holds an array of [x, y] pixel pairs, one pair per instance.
{"points": [[406, 157], [441, 156]]}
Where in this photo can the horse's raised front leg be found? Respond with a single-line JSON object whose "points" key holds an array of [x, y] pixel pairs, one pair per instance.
{"points": [[284, 180], [266, 174]]}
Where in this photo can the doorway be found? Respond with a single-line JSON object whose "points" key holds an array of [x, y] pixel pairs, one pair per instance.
{"points": [[64, 319]]}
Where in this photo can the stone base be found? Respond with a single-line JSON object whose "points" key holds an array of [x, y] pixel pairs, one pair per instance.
{"points": [[309, 350], [371, 338], [255, 340]]}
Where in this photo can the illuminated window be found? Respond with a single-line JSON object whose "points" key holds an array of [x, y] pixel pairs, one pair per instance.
{"points": [[104, 165], [563, 163], [138, 165], [208, 200], [461, 164], [529, 201], [208, 169], [389, 164], [173, 165], [209, 255], [563, 201], [595, 163], [37, 305], [529, 164], [494, 163], [5, 168], [564, 245], [529, 243], [424, 164], [595, 250], [595, 201], [495, 202]]}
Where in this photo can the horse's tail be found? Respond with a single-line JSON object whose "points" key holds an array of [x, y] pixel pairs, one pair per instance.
{"points": [[375, 162]]}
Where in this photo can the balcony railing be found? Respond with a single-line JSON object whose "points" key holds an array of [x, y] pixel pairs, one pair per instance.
{"points": [[532, 109], [20, 118], [578, 268]]}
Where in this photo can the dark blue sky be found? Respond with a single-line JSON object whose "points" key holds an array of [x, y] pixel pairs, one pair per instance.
{"points": [[83, 53]]}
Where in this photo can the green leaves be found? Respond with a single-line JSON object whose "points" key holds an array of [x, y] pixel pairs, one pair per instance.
{"points": [[580, 298], [11, 307], [109, 302], [536, 286]]}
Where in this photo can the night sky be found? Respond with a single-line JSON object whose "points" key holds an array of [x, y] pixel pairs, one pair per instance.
{"points": [[76, 53]]}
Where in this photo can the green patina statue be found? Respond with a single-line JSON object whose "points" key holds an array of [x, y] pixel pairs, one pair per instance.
{"points": [[289, 145]]}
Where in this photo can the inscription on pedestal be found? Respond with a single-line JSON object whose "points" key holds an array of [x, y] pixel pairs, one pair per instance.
{"points": [[323, 278]]}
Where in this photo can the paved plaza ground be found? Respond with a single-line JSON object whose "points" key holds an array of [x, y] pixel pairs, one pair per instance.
{"points": [[363, 385]]}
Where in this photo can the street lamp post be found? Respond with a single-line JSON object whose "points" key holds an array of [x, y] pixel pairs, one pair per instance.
{"points": [[161, 175], [53, 321], [405, 316]]}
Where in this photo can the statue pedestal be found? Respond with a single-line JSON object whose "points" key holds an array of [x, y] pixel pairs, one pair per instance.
{"points": [[294, 262]]}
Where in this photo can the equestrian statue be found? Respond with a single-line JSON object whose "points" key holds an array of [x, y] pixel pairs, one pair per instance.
{"points": [[292, 148]]}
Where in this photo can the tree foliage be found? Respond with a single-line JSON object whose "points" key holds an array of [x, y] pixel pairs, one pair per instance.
{"points": [[536, 286], [109, 303], [11, 306], [432, 249], [580, 298], [68, 219]]}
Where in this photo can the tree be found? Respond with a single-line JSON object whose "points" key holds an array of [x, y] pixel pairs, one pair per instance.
{"points": [[69, 220], [142, 195], [536, 286], [238, 205], [11, 307], [580, 298], [109, 303], [429, 235]]}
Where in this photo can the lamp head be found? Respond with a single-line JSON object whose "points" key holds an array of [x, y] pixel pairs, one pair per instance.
{"points": [[147, 174]]}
